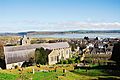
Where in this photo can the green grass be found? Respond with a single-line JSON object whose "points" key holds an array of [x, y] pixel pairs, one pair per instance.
{"points": [[92, 72], [45, 76], [59, 75], [5, 76], [96, 73], [77, 74]]}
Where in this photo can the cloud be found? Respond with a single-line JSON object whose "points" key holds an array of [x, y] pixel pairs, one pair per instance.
{"points": [[94, 26], [27, 25]]}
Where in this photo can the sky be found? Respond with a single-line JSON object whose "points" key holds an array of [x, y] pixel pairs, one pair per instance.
{"points": [[59, 15]]}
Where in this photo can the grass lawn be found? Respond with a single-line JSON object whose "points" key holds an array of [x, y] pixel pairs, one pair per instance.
{"points": [[5, 76], [96, 73], [77, 74], [92, 72], [58, 75], [44, 76]]}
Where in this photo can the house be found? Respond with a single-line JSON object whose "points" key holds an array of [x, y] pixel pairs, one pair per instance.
{"points": [[17, 55]]}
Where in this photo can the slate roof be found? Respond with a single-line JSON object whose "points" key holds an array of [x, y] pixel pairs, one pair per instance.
{"points": [[18, 56], [34, 46], [56, 45]]}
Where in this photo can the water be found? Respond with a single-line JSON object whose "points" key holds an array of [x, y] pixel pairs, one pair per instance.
{"points": [[75, 35]]}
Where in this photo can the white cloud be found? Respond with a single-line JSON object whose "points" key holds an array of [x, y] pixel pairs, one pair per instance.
{"points": [[27, 25]]}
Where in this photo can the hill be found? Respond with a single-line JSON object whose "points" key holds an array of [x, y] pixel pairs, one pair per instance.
{"points": [[58, 32]]}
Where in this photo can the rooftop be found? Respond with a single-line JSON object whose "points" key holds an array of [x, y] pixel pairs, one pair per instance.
{"points": [[34, 46]]}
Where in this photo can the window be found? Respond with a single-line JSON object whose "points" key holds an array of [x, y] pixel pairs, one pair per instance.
{"points": [[67, 51], [61, 55], [51, 58], [61, 52], [57, 58]]}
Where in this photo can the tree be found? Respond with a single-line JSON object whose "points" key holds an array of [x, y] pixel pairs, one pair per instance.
{"points": [[82, 46], [1, 51], [73, 46], [41, 56], [116, 52], [86, 38], [96, 38], [2, 57]]}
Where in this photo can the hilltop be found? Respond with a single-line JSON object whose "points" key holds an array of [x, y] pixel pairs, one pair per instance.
{"points": [[58, 32]]}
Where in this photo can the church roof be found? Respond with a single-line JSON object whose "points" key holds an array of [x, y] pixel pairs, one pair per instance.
{"points": [[18, 56], [34, 46]]}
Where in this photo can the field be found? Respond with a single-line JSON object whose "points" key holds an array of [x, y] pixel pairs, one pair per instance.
{"points": [[42, 73]]}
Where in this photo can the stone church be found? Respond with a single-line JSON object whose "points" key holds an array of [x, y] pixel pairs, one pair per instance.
{"points": [[17, 55]]}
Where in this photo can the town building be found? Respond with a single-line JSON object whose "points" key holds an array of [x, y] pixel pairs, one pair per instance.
{"points": [[17, 55]]}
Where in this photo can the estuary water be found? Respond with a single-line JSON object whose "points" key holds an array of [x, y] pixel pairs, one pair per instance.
{"points": [[76, 35]]}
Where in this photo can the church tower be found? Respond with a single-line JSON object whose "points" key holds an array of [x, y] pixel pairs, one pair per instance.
{"points": [[25, 40]]}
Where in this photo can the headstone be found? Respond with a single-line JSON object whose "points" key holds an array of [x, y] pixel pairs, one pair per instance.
{"points": [[33, 71], [64, 71]]}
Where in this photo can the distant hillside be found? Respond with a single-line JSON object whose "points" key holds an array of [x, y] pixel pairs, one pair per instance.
{"points": [[76, 31], [95, 31], [58, 32]]}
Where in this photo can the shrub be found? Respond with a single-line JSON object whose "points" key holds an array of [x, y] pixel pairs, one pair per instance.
{"points": [[116, 53], [78, 61], [71, 61], [65, 62], [89, 60], [16, 67], [61, 61], [41, 55]]}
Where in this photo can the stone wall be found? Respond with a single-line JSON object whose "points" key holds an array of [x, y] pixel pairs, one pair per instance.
{"points": [[58, 54], [12, 66]]}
